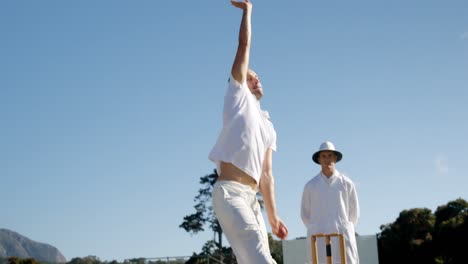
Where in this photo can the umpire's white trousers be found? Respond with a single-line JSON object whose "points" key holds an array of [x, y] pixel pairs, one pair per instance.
{"points": [[239, 214]]}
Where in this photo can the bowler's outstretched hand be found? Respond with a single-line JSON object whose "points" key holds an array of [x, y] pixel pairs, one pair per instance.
{"points": [[245, 5]]}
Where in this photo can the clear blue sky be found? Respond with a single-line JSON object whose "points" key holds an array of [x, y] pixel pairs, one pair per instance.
{"points": [[109, 108]]}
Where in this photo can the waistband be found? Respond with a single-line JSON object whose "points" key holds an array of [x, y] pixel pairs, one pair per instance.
{"points": [[235, 186]]}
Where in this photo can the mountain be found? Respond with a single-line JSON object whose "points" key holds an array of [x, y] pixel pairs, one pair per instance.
{"points": [[14, 244]]}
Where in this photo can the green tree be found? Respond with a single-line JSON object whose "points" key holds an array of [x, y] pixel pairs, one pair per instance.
{"points": [[137, 260], [16, 260], [13, 260], [451, 232], [85, 260], [204, 213], [408, 238], [195, 259], [28, 261], [276, 249], [418, 236], [450, 210]]}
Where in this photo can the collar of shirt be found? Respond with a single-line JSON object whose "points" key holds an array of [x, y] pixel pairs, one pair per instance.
{"points": [[330, 179]]}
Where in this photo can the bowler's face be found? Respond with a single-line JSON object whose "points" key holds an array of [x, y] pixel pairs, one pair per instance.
{"points": [[254, 84]]}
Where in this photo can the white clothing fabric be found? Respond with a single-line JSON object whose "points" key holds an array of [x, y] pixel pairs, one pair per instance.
{"points": [[239, 214], [247, 132], [330, 205]]}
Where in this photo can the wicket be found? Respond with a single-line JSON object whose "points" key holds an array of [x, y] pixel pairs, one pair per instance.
{"points": [[328, 247]]}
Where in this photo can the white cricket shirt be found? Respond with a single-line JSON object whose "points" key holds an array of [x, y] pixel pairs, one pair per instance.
{"points": [[330, 205], [246, 134]]}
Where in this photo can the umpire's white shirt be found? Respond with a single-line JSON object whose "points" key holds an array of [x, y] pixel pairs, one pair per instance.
{"points": [[330, 205]]}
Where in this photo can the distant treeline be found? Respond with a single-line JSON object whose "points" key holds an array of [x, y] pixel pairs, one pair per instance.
{"points": [[417, 236], [420, 236]]}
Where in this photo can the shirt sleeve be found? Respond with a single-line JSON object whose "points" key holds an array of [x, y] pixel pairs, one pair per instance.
{"points": [[305, 206], [273, 141], [354, 211], [235, 86]]}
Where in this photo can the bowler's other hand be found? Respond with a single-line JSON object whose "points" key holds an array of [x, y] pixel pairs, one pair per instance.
{"points": [[245, 5], [281, 231]]}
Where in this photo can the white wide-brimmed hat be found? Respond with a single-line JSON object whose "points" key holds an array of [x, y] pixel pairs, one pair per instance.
{"points": [[326, 146]]}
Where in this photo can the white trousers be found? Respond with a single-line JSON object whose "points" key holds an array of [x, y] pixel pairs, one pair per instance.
{"points": [[239, 214]]}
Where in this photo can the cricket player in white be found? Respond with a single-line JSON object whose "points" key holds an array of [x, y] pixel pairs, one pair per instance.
{"points": [[330, 205], [243, 157]]}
